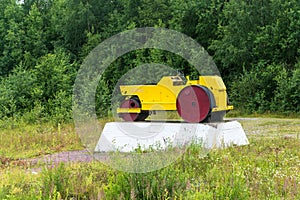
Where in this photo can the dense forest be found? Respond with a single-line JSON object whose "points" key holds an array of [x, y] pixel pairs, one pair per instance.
{"points": [[255, 44]]}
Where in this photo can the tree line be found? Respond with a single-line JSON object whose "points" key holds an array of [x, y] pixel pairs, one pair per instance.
{"points": [[255, 45]]}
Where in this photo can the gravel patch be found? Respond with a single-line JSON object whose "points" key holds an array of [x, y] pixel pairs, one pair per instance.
{"points": [[68, 156]]}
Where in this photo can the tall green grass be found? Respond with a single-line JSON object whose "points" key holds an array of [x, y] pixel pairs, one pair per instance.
{"points": [[20, 140], [268, 168]]}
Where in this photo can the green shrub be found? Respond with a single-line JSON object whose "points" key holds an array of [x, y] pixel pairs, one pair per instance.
{"points": [[60, 107], [267, 88], [18, 92], [36, 114], [287, 96], [44, 92]]}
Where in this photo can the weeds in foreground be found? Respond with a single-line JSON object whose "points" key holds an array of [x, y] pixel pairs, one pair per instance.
{"points": [[268, 168], [264, 169], [20, 140]]}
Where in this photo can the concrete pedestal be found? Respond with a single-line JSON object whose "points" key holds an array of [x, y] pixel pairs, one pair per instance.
{"points": [[130, 136]]}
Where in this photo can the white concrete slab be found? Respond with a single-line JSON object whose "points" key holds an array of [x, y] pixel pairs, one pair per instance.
{"points": [[128, 136]]}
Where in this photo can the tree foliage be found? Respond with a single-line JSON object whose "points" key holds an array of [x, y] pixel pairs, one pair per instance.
{"points": [[43, 42]]}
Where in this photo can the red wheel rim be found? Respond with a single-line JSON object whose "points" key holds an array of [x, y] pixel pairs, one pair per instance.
{"points": [[193, 103], [129, 103]]}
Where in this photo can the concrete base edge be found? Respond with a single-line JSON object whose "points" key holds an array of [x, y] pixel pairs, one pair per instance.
{"points": [[130, 136]]}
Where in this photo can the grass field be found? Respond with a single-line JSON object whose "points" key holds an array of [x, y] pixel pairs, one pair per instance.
{"points": [[268, 168]]}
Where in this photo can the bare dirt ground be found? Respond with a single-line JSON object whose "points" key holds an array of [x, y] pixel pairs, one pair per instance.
{"points": [[68, 156], [53, 160]]}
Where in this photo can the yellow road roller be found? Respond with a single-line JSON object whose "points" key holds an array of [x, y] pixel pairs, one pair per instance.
{"points": [[202, 100]]}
